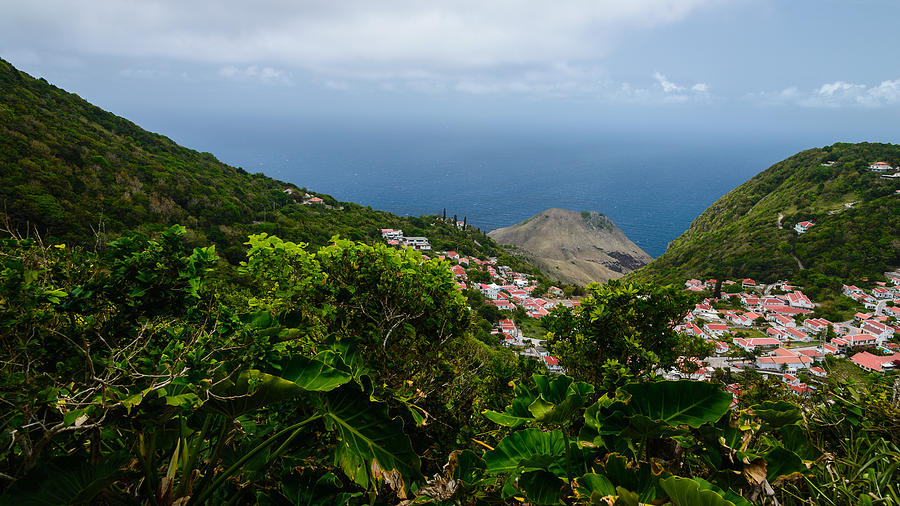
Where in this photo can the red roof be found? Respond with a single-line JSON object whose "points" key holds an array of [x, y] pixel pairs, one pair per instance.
{"points": [[873, 362], [551, 360]]}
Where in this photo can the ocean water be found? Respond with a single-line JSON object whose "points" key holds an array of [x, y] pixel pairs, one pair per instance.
{"points": [[652, 185]]}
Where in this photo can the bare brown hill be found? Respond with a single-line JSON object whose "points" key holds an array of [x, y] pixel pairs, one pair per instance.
{"points": [[574, 247]]}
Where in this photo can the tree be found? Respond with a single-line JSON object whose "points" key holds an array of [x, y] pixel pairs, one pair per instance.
{"points": [[621, 331]]}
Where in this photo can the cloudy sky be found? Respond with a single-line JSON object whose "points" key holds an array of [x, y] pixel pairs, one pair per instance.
{"points": [[738, 64]]}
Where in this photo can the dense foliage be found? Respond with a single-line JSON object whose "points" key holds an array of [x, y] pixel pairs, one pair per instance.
{"points": [[738, 236], [621, 332], [151, 372]]}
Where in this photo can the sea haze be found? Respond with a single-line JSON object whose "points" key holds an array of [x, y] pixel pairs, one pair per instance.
{"points": [[652, 185]]}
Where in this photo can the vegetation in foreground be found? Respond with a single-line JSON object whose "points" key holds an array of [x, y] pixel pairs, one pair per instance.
{"points": [[151, 372]]}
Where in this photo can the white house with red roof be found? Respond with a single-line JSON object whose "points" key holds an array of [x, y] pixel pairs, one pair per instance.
{"points": [[875, 363], [693, 329], [798, 299], [796, 334], [816, 325], [849, 290], [881, 331], [535, 311], [803, 226], [786, 310], [883, 293], [389, 233], [552, 364], [859, 340], [555, 291], [748, 283], [818, 371], [501, 304], [790, 379], [781, 320], [716, 329], [759, 342], [782, 357], [880, 167], [776, 333]]}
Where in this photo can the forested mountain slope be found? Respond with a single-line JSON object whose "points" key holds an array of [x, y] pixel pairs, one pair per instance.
{"points": [[856, 216], [68, 168]]}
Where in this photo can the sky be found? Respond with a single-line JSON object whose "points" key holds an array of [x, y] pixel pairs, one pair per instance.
{"points": [[825, 68]]}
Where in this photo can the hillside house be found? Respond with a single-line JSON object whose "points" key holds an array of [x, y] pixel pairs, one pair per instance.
{"points": [[881, 331], [781, 320], [880, 167], [803, 226], [552, 364], [391, 234], [716, 329], [783, 358], [748, 283], [818, 371], [798, 299], [883, 293], [416, 243], [501, 304], [776, 333], [859, 340], [850, 290], [816, 325], [760, 342], [796, 335], [874, 363]]}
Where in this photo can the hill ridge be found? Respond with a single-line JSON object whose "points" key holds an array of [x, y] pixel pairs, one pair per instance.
{"points": [[573, 247]]}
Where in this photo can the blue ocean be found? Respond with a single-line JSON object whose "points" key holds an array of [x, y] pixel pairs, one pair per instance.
{"points": [[652, 185]]}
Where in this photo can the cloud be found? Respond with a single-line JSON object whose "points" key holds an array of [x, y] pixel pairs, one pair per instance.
{"points": [[264, 75], [834, 95], [667, 86], [454, 41]]}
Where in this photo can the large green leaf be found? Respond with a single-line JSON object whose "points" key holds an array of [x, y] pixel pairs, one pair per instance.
{"points": [[372, 446], [541, 487], [688, 492], [781, 462], [637, 477], [528, 449], [312, 374], [65, 480], [594, 487], [549, 399], [777, 414], [795, 439], [255, 389], [675, 403]]}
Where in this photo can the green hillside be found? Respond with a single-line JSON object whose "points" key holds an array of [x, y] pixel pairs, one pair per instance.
{"points": [[70, 168], [856, 214]]}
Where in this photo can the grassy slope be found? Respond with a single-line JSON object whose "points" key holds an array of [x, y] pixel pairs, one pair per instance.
{"points": [[737, 236], [69, 167]]}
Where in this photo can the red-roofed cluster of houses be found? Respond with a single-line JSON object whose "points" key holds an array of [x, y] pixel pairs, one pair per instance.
{"points": [[786, 316]]}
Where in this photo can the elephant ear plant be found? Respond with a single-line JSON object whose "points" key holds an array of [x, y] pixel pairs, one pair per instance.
{"points": [[668, 442]]}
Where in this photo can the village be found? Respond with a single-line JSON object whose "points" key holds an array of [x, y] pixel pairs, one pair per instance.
{"points": [[773, 329], [769, 328]]}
